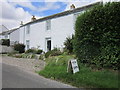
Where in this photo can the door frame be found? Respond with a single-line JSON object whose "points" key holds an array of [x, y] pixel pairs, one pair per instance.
{"points": [[47, 39]]}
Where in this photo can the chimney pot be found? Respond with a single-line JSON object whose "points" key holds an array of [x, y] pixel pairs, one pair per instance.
{"points": [[21, 23], [72, 7], [33, 18]]}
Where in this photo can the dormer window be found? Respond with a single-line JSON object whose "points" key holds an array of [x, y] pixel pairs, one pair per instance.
{"points": [[48, 24], [28, 29]]}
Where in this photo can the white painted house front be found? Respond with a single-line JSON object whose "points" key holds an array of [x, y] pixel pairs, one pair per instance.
{"points": [[51, 31]]}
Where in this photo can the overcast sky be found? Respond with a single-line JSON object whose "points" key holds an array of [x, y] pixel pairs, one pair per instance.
{"points": [[14, 11]]}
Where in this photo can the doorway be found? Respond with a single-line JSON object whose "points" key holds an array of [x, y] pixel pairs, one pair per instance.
{"points": [[48, 42]]}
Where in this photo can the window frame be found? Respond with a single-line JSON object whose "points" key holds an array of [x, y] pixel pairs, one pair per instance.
{"points": [[48, 24], [27, 44]]}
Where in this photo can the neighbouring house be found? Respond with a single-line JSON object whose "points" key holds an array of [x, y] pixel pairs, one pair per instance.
{"points": [[12, 34], [51, 31], [2, 30]]}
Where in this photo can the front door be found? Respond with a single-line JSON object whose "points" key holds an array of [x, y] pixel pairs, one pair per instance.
{"points": [[48, 45]]}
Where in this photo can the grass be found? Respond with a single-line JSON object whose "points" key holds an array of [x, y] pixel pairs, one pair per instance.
{"points": [[56, 68]]}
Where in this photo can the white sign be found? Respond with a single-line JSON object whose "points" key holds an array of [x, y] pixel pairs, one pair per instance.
{"points": [[74, 66]]}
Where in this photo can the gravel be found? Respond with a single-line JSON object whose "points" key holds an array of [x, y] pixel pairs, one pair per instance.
{"points": [[27, 64]]}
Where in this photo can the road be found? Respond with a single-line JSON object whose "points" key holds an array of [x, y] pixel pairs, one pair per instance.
{"points": [[14, 77]]}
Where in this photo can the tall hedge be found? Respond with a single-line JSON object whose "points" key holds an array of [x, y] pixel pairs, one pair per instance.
{"points": [[97, 36]]}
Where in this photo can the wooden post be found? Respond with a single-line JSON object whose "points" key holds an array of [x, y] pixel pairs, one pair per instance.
{"points": [[69, 67]]}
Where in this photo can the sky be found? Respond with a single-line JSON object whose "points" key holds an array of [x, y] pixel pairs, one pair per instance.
{"points": [[12, 12]]}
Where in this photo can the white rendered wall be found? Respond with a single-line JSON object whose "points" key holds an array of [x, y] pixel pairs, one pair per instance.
{"points": [[14, 36], [37, 35], [21, 35], [61, 28]]}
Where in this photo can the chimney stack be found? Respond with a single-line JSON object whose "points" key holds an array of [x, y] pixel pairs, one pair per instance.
{"points": [[33, 18], [72, 7], [21, 23]]}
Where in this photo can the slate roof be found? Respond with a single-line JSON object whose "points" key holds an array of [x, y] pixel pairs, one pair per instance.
{"points": [[8, 32], [63, 13]]}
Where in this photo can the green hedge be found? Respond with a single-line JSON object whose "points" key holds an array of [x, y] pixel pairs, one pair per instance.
{"points": [[97, 36]]}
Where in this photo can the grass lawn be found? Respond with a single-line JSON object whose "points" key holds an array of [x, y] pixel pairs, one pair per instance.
{"points": [[56, 68]]}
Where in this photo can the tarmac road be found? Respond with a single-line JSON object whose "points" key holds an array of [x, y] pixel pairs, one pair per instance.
{"points": [[14, 77]]}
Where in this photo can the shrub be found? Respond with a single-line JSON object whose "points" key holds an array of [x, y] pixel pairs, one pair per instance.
{"points": [[35, 51], [69, 44], [54, 52], [97, 37], [39, 51], [6, 42], [20, 48], [31, 51], [33, 56]]}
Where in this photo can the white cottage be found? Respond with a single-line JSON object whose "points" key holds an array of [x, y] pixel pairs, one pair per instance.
{"points": [[51, 31], [12, 34]]}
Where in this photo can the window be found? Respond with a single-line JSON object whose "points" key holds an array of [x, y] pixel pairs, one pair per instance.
{"points": [[27, 44], [28, 29], [48, 25], [6, 36]]}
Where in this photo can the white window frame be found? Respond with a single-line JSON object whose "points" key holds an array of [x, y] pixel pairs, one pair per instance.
{"points": [[27, 44], [6, 36], [47, 39], [48, 25]]}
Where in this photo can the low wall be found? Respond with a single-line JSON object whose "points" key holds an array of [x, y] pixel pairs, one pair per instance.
{"points": [[5, 49]]}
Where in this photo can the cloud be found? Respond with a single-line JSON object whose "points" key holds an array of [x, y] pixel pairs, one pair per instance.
{"points": [[79, 3], [26, 3], [48, 6], [12, 16]]}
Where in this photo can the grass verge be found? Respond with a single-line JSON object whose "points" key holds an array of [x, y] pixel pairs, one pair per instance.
{"points": [[56, 68]]}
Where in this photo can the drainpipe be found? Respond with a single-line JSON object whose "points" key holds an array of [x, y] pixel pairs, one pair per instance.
{"points": [[24, 36]]}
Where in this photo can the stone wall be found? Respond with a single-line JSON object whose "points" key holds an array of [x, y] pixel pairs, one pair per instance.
{"points": [[5, 49]]}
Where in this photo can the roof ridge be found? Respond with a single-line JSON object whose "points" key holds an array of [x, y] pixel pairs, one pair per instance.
{"points": [[63, 13]]}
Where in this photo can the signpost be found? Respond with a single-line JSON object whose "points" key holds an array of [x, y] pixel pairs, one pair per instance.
{"points": [[72, 64]]}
